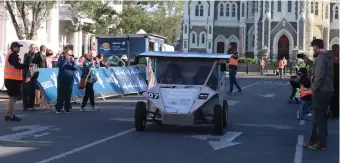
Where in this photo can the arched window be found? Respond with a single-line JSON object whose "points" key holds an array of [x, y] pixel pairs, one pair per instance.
{"points": [[279, 6], [336, 12], [326, 13], [312, 7], [253, 4], [233, 13], [201, 10], [290, 6], [202, 38], [193, 38], [227, 11], [243, 9], [221, 9], [316, 8], [197, 10]]}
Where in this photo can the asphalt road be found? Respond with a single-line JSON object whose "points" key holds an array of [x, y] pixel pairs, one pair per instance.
{"points": [[267, 129]]}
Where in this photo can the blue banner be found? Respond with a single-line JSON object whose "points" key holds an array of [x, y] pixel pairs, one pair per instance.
{"points": [[115, 80], [130, 79]]}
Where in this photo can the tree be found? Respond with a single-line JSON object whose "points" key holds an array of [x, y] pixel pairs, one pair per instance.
{"points": [[157, 17], [100, 15], [27, 16]]}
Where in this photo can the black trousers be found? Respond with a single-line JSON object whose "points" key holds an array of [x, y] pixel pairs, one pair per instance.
{"points": [[89, 94], [320, 103], [28, 94], [64, 96], [335, 99]]}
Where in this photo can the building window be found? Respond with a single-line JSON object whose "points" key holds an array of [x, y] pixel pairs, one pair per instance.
{"points": [[221, 9], [312, 7], [185, 29], [290, 6], [253, 8], [316, 8], [209, 45], [227, 11], [233, 13], [202, 37], [185, 44], [210, 30], [243, 9], [193, 38], [199, 10], [326, 13], [253, 41], [336, 12], [279, 5]]}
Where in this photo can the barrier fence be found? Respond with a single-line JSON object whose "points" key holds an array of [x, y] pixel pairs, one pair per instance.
{"points": [[113, 81]]}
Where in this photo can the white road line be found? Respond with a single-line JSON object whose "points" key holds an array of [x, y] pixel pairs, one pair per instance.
{"points": [[85, 146], [249, 85], [302, 122], [299, 150]]}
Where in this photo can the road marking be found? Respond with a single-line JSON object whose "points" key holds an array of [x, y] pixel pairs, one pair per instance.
{"points": [[123, 119], [299, 149], [267, 95], [284, 127], [32, 130], [223, 142], [249, 85], [302, 122], [86, 146]]}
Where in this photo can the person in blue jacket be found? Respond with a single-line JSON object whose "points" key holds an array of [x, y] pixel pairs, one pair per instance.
{"points": [[65, 81], [89, 72]]}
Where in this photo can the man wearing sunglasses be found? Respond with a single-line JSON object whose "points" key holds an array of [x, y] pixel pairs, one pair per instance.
{"points": [[65, 81]]}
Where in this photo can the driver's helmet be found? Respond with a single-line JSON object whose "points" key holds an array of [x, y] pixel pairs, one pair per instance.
{"points": [[124, 57]]}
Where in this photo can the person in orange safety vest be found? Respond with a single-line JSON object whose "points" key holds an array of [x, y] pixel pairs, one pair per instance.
{"points": [[281, 66], [233, 62], [13, 79]]}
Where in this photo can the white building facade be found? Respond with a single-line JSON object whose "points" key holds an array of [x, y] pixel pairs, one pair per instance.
{"points": [[53, 31], [280, 27]]}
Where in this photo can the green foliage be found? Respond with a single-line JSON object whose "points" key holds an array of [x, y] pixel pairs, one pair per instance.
{"points": [[27, 16], [102, 15]]}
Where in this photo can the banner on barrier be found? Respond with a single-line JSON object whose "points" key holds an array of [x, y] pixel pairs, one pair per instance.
{"points": [[115, 80]]}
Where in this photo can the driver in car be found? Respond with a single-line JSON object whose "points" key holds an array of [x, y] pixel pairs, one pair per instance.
{"points": [[172, 75]]}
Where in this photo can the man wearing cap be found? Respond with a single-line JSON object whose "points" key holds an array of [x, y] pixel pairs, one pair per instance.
{"points": [[13, 79], [322, 88]]}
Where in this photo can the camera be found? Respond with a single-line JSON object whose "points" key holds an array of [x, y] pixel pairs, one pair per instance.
{"points": [[300, 55]]}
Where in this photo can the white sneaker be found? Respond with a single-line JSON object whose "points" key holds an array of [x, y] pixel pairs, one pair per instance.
{"points": [[94, 108], [309, 114]]}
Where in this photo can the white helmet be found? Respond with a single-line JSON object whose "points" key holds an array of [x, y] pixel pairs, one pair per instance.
{"points": [[124, 57]]}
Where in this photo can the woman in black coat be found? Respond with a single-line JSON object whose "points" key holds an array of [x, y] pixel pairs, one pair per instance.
{"points": [[335, 100]]}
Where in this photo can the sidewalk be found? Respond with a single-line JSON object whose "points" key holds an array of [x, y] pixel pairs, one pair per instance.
{"points": [[258, 75]]}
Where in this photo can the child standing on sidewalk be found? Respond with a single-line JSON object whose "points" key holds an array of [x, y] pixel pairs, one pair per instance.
{"points": [[65, 81]]}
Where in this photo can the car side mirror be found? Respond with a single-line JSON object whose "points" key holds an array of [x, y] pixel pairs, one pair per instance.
{"points": [[223, 67]]}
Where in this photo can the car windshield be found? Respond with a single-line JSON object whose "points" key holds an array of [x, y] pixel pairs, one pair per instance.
{"points": [[183, 71]]}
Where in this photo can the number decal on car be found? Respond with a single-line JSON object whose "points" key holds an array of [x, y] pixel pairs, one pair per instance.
{"points": [[153, 95]]}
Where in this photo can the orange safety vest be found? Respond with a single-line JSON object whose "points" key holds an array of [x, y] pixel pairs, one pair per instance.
{"points": [[305, 91], [10, 72], [281, 64], [233, 61]]}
